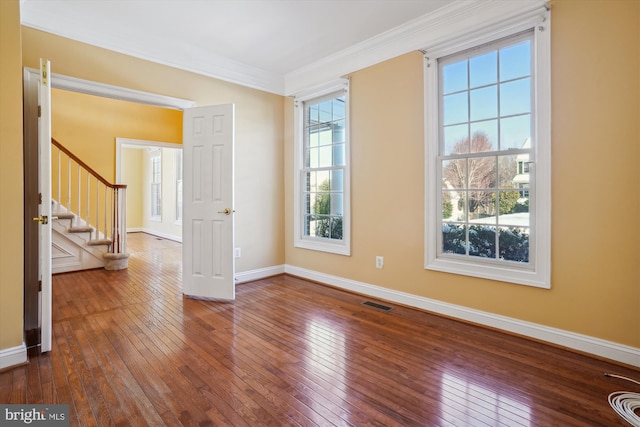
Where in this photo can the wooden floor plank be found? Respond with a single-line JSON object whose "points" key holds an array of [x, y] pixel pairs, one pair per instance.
{"points": [[130, 350]]}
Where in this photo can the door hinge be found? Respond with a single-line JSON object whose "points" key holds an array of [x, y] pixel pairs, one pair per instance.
{"points": [[39, 198], [39, 111], [39, 285]]}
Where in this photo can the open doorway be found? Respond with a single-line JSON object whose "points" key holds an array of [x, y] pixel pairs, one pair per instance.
{"points": [[153, 173]]}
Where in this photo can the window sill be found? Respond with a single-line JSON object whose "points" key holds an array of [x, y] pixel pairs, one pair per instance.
{"points": [[503, 273], [317, 245]]}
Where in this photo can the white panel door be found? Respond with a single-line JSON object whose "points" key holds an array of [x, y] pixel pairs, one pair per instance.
{"points": [[44, 183], [208, 267]]}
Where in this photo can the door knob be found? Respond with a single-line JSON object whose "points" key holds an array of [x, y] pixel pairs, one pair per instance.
{"points": [[42, 219], [226, 211]]}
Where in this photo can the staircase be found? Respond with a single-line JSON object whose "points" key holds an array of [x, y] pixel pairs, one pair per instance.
{"points": [[88, 212]]}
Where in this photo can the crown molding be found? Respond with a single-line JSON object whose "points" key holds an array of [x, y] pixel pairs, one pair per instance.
{"points": [[458, 18]]}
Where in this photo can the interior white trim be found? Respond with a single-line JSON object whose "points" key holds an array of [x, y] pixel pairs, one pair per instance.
{"points": [[13, 356], [259, 273], [584, 343], [59, 81]]}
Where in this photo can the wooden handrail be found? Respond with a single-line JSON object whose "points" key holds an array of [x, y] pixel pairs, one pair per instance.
{"points": [[85, 166]]}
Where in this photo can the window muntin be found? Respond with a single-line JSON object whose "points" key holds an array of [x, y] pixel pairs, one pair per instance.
{"points": [[324, 163], [484, 149]]}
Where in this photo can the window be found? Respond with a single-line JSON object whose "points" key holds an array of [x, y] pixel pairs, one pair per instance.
{"points": [[178, 161], [488, 175], [156, 184], [322, 173]]}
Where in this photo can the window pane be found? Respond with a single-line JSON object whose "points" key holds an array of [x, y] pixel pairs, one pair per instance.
{"points": [[338, 108], [312, 115], [337, 206], [483, 69], [514, 244], [314, 139], [509, 209], [338, 155], [336, 227], [454, 174], [480, 143], [454, 239], [337, 178], [515, 97], [456, 139], [325, 111], [481, 207], [456, 109], [515, 61], [325, 156], [507, 171], [338, 131], [515, 132], [488, 130], [454, 77], [484, 103], [453, 206], [313, 158], [482, 241], [482, 172]]}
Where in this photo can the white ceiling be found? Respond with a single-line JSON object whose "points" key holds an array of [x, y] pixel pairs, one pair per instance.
{"points": [[258, 43]]}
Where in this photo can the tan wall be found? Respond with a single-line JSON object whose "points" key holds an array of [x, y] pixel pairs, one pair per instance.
{"points": [[596, 186], [259, 130], [11, 190]]}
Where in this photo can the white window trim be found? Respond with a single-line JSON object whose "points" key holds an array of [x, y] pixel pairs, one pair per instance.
{"points": [[342, 247], [540, 273]]}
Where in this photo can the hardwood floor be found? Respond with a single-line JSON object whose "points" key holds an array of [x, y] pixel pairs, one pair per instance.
{"points": [[129, 349]]}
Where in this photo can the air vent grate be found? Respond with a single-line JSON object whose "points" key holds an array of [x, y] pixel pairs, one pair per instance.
{"points": [[376, 305]]}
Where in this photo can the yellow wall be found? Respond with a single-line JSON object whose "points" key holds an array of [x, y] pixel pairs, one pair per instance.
{"points": [[131, 165], [88, 126], [11, 190], [596, 186], [259, 130]]}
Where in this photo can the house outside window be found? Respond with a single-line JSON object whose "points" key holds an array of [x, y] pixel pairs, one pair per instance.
{"points": [[322, 172], [156, 184], [487, 154]]}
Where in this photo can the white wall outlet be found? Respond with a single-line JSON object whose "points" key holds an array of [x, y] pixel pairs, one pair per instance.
{"points": [[379, 261], [237, 252]]}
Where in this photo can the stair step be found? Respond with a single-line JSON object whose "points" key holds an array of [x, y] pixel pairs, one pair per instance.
{"points": [[64, 215], [98, 242], [83, 229]]}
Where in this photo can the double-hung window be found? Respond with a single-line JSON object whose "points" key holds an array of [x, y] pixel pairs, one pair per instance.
{"points": [[322, 172], [488, 162]]}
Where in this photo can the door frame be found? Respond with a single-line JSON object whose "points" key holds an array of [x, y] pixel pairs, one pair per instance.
{"points": [[59, 81]]}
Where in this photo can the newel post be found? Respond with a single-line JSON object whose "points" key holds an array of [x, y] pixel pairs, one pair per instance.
{"points": [[117, 257]]}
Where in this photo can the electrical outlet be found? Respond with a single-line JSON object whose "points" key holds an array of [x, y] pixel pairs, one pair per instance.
{"points": [[379, 261], [237, 253]]}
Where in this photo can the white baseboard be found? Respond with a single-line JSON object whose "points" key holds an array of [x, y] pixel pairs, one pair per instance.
{"points": [[156, 233], [260, 273], [13, 356], [584, 343]]}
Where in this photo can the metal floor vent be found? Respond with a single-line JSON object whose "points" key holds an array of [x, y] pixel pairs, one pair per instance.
{"points": [[376, 305]]}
